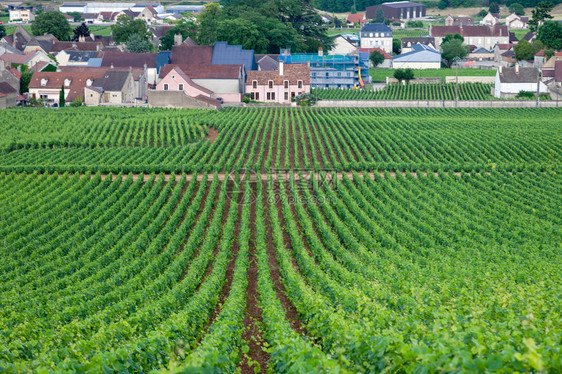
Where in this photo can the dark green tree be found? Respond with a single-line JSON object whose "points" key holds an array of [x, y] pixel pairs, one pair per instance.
{"points": [[137, 44], [550, 34], [396, 46], [376, 58], [76, 15], [81, 30], [186, 28], [517, 9], [452, 49], [444, 4], [61, 97], [482, 13], [526, 51], [404, 74], [2, 31], [494, 8], [52, 23], [24, 81], [540, 14], [242, 32], [126, 26], [209, 21], [450, 37], [353, 10], [379, 15]]}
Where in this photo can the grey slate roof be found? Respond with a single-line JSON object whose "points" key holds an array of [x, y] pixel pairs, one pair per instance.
{"points": [[419, 53], [376, 27], [80, 56], [268, 62], [224, 54], [112, 81], [525, 75], [402, 4]]}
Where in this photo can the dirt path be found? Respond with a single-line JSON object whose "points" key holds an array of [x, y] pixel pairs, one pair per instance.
{"points": [[213, 134]]}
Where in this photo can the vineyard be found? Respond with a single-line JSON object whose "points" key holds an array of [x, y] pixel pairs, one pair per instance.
{"points": [[422, 91], [142, 240]]}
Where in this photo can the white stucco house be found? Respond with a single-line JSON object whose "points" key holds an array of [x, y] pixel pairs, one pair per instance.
{"points": [[342, 46], [510, 81], [376, 35]]}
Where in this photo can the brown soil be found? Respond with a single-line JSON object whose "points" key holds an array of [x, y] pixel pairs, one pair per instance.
{"points": [[283, 144], [253, 316], [266, 138], [291, 313], [213, 134], [291, 145]]}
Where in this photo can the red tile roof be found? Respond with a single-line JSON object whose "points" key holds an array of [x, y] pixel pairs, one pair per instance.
{"points": [[122, 59], [291, 72], [205, 71], [483, 31], [188, 54], [12, 58], [55, 80], [356, 18], [369, 50], [558, 71]]}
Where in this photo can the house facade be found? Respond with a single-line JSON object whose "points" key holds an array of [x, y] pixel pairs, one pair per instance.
{"points": [[376, 35], [115, 87], [279, 86], [458, 21], [8, 95], [479, 36], [516, 22], [342, 46], [47, 85], [21, 15], [490, 19], [176, 80], [357, 19], [510, 81]]}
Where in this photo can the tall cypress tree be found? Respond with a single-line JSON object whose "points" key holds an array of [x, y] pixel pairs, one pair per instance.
{"points": [[61, 97]]}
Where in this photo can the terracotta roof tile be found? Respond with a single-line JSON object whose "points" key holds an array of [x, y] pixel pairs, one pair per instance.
{"points": [[196, 55], [122, 59], [291, 72], [55, 80]]}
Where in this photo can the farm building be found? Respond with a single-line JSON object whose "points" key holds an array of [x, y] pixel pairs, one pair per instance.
{"points": [[510, 81], [399, 10]]}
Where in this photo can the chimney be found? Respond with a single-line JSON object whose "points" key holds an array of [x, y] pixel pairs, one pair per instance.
{"points": [[178, 39], [320, 51], [281, 68], [516, 68], [93, 36], [500, 69], [111, 67]]}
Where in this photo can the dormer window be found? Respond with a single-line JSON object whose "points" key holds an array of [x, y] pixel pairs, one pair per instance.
{"points": [[43, 82], [270, 84], [67, 82], [286, 84], [254, 84], [299, 84]]}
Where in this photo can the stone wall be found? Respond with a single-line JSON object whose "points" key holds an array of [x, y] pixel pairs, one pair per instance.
{"points": [[432, 104], [176, 99], [452, 79]]}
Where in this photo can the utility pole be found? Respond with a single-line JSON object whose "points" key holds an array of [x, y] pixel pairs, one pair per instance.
{"points": [[538, 89], [456, 60]]}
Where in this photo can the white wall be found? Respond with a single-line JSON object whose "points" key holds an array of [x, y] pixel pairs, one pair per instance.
{"points": [[416, 65], [219, 85]]}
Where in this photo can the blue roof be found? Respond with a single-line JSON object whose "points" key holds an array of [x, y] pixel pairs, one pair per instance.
{"points": [[163, 58], [376, 27], [224, 54], [419, 53], [95, 62]]}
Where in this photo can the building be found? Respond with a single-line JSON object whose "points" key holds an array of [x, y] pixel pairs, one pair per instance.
{"points": [[342, 46], [21, 15], [357, 19], [331, 71], [181, 9], [145, 61], [224, 54], [549, 66], [420, 57], [8, 95], [114, 87], [99, 7], [407, 43], [481, 54], [490, 19], [459, 21], [22, 40], [267, 62], [399, 10], [376, 35], [479, 36], [279, 86], [501, 48], [77, 58], [514, 21], [510, 81], [47, 85], [28, 59], [365, 54], [148, 14]]}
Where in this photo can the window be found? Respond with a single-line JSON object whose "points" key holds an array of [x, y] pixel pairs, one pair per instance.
{"points": [[339, 74], [270, 84], [268, 95], [371, 34], [286, 84], [165, 86], [286, 96], [273, 96], [299, 84], [257, 96], [376, 35], [180, 87], [252, 96], [254, 84], [293, 94], [173, 77]]}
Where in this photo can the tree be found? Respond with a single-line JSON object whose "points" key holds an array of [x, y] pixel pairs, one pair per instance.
{"points": [[540, 14], [137, 44], [517, 9], [209, 21], [2, 31], [126, 26], [353, 10], [396, 46], [526, 51], [76, 15], [404, 74], [450, 37], [550, 34], [52, 23], [379, 15], [24, 81], [186, 28], [494, 8], [61, 97], [452, 49], [241, 32], [482, 13], [444, 4], [376, 58], [81, 30]]}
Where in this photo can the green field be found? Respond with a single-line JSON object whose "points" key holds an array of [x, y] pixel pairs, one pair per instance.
{"points": [[424, 91], [190, 241], [100, 30], [380, 74]]}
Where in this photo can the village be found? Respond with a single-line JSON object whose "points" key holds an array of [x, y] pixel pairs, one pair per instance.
{"points": [[97, 70]]}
